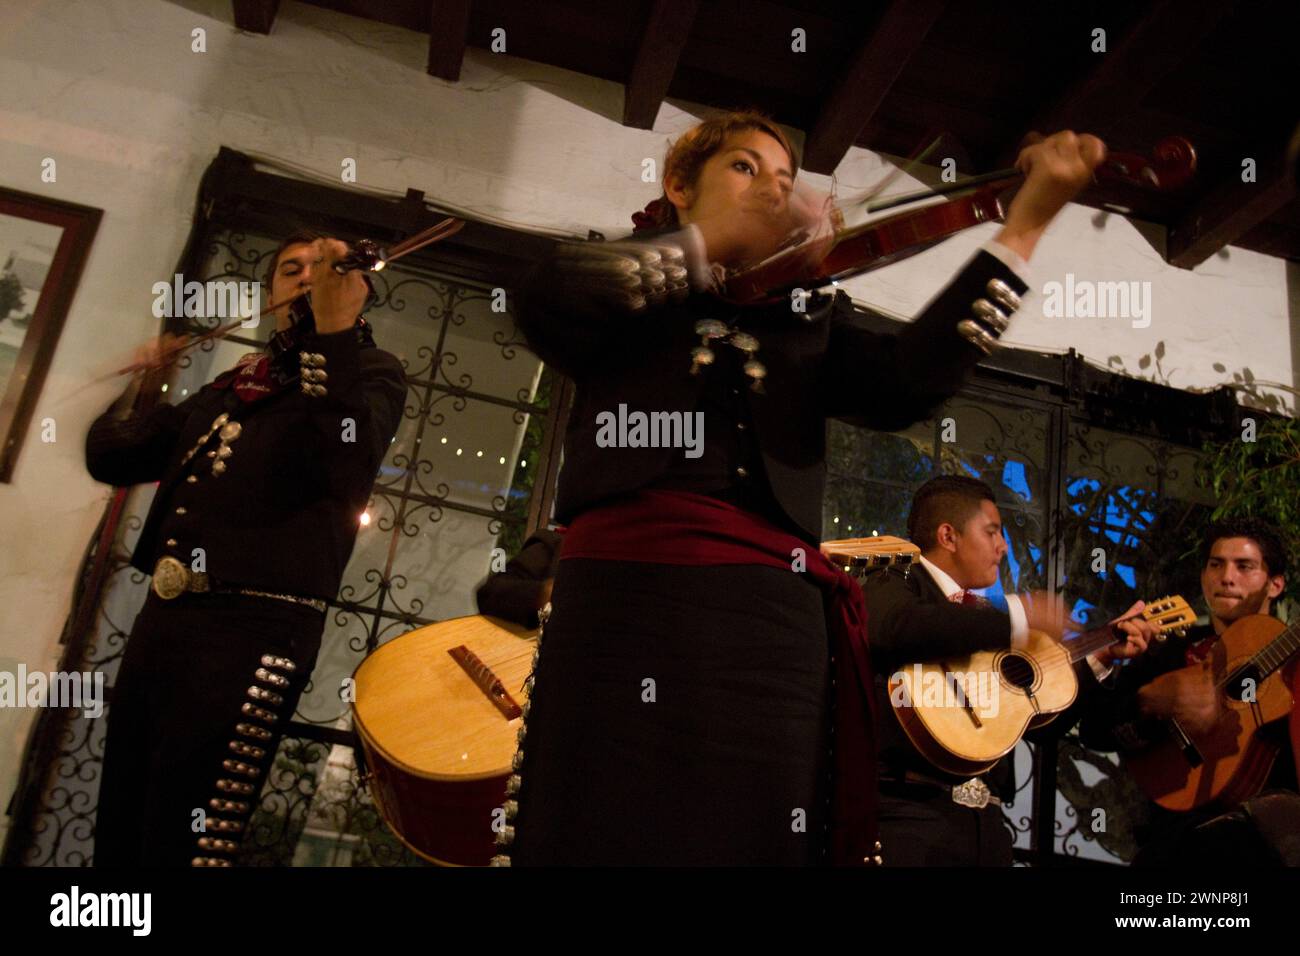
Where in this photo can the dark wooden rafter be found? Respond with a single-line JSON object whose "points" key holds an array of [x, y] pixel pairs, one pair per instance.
{"points": [[1129, 95], [867, 80], [448, 33], [662, 41], [255, 16], [1158, 45], [1230, 210]]}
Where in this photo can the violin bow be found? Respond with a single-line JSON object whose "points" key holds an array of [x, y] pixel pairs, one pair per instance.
{"points": [[1175, 162], [373, 262], [896, 172]]}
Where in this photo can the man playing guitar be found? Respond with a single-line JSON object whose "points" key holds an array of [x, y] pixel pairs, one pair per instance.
{"points": [[1243, 574], [929, 817]]}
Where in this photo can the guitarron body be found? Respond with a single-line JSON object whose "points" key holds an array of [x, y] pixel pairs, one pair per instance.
{"points": [[438, 746]]}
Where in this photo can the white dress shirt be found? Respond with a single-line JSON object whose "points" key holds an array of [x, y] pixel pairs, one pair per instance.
{"points": [[1015, 609]]}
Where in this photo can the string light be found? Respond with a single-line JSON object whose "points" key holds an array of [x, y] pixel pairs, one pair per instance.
{"points": [[365, 518]]}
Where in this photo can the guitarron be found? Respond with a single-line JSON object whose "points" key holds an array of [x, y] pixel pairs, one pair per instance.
{"points": [[437, 710]]}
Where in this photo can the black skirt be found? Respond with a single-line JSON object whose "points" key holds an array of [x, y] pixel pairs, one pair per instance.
{"points": [[680, 716]]}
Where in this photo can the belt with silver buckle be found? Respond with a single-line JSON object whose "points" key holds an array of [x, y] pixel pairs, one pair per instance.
{"points": [[171, 579], [316, 604], [972, 793]]}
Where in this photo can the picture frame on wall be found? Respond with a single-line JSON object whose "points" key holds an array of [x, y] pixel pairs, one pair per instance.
{"points": [[44, 244]]}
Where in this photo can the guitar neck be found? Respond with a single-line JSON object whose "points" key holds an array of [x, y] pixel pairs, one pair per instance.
{"points": [[1276, 652], [1089, 642], [1167, 614]]}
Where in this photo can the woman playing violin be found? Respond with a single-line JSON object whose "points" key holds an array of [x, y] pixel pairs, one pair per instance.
{"points": [[697, 697]]}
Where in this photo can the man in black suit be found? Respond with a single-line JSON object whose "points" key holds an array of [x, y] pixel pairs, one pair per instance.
{"points": [[263, 476], [929, 817], [1244, 573]]}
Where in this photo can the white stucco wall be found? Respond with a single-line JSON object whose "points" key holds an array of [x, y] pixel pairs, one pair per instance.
{"points": [[113, 92]]}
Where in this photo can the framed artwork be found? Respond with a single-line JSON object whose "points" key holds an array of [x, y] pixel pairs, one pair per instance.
{"points": [[43, 248]]}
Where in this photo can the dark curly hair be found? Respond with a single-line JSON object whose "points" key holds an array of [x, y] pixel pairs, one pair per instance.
{"points": [[1266, 537]]}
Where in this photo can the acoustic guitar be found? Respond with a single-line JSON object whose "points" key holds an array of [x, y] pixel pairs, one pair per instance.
{"points": [[437, 710], [1231, 762], [965, 713]]}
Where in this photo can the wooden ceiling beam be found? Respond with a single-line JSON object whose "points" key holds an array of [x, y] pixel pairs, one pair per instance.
{"points": [[448, 33], [662, 41], [867, 80], [1158, 45], [1229, 211], [255, 16]]}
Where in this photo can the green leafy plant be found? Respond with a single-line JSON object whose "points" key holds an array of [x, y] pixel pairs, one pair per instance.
{"points": [[1259, 478]]}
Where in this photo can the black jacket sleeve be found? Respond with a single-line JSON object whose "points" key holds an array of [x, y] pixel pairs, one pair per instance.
{"points": [[903, 629], [570, 328], [888, 382], [353, 422], [1111, 719], [127, 447], [514, 594]]}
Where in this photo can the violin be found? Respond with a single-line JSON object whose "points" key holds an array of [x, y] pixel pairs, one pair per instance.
{"points": [[859, 249], [365, 255]]}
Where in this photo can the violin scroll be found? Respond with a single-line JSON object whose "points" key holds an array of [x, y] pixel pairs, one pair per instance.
{"points": [[366, 255], [1172, 165]]}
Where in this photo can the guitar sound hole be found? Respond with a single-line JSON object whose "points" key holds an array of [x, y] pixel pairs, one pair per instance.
{"points": [[1016, 670]]}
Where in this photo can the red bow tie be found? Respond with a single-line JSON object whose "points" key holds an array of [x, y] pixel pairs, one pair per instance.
{"points": [[970, 599]]}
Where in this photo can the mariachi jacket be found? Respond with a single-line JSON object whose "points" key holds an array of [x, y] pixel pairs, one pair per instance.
{"points": [[273, 504], [820, 364]]}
